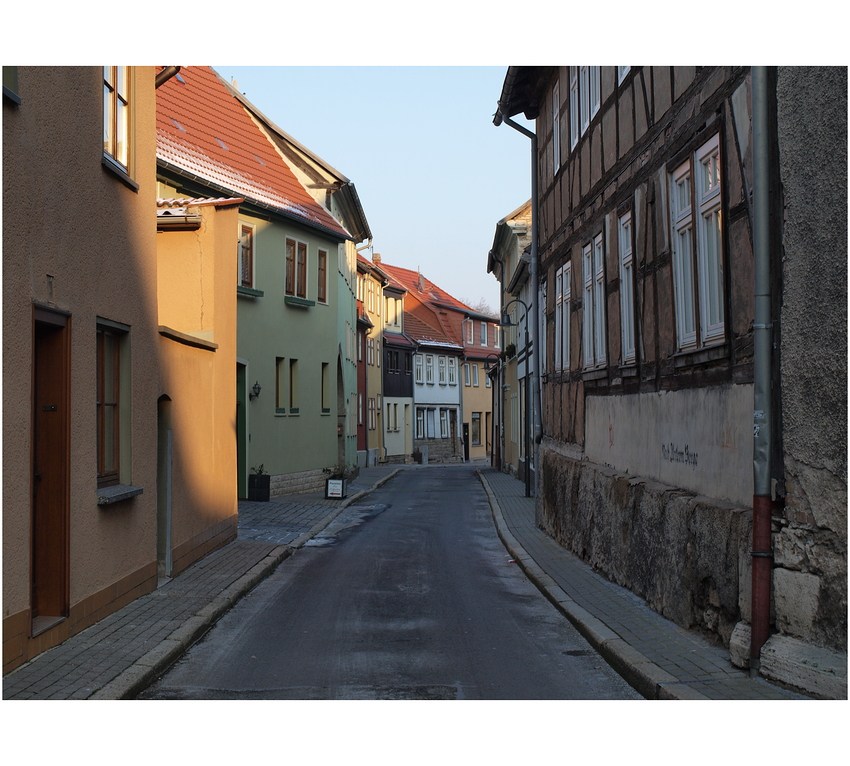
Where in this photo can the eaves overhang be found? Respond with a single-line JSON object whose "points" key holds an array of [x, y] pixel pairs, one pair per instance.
{"points": [[522, 91], [264, 207], [520, 275]]}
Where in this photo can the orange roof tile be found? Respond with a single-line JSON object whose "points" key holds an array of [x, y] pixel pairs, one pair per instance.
{"points": [[203, 130]]}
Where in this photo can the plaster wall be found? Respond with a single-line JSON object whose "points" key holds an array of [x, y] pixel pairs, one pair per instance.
{"points": [[82, 242], [200, 381], [282, 440], [697, 439]]}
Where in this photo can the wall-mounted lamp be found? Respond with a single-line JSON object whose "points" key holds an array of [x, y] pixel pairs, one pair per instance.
{"points": [[256, 389]]}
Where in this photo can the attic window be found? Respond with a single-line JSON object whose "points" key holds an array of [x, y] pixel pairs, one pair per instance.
{"points": [[259, 160], [178, 125], [222, 144]]}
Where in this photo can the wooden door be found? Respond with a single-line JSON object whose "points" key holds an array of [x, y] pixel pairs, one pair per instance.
{"points": [[50, 483]]}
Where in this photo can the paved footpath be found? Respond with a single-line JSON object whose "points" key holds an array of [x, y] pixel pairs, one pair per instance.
{"points": [[657, 657], [123, 653]]}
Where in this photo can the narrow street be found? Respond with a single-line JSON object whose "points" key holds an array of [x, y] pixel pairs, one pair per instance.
{"points": [[407, 595]]}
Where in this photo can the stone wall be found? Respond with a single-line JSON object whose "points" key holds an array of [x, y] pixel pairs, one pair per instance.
{"points": [[686, 555], [440, 450], [298, 483]]}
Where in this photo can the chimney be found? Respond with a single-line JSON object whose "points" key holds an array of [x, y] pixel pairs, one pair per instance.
{"points": [[376, 257]]}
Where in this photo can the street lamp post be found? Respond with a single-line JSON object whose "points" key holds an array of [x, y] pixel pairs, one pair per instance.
{"points": [[529, 390], [495, 406]]}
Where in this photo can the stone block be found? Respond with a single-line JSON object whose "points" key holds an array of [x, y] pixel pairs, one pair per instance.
{"points": [[739, 646], [796, 596], [816, 671]]}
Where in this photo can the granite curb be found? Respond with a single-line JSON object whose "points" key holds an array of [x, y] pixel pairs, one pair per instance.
{"points": [[642, 674], [154, 663]]}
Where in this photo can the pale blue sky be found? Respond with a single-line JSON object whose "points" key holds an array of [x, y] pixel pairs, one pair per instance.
{"points": [[433, 173]]}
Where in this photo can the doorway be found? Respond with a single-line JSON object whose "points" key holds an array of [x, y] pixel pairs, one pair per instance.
{"points": [[50, 468]]}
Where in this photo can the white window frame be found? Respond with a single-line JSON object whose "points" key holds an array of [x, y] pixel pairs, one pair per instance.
{"points": [[562, 317], [483, 333], [593, 330], [452, 371], [420, 422], [474, 373], [429, 369], [470, 332], [627, 287], [466, 379], [444, 423], [585, 99], [418, 369], [441, 370], [707, 178], [556, 128], [622, 71], [697, 244], [574, 108]]}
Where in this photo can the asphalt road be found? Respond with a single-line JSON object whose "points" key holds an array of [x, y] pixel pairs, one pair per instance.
{"points": [[408, 595]]}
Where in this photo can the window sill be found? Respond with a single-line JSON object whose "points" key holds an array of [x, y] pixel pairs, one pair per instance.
{"points": [[628, 370], [279, 411], [116, 493], [249, 292], [595, 374], [291, 300], [293, 410], [326, 410], [701, 355], [113, 167]]}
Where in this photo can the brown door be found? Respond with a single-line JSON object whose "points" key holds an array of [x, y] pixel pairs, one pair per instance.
{"points": [[51, 379]]}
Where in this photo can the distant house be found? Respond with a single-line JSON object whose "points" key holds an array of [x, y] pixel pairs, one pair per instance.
{"points": [[508, 262], [370, 331], [661, 233], [398, 377], [115, 337], [294, 272]]}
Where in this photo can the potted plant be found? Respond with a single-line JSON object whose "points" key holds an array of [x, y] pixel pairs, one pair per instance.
{"points": [[259, 484]]}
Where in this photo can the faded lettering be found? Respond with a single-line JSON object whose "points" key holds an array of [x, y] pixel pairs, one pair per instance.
{"points": [[673, 454]]}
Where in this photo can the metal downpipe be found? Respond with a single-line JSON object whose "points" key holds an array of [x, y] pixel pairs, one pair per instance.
{"points": [[762, 554]]}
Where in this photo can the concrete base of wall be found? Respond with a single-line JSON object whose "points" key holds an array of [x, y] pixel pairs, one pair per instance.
{"points": [[786, 660]]}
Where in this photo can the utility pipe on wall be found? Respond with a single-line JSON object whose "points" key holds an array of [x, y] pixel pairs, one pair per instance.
{"points": [[762, 555]]}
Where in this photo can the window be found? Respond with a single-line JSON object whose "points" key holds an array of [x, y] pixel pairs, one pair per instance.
{"points": [[452, 371], [585, 93], [371, 413], [279, 385], [246, 256], [441, 370], [109, 343], [390, 313], [594, 303], [622, 71], [10, 83], [444, 423], [420, 423], [474, 374], [697, 247], [293, 386], [483, 333], [370, 351], [407, 363], [627, 288], [466, 374], [360, 409], [556, 128], [429, 368], [562, 317], [116, 114], [470, 331], [418, 377], [322, 290], [296, 268], [487, 380], [475, 429]]}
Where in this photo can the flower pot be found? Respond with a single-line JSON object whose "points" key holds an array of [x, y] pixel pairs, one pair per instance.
{"points": [[259, 487]]}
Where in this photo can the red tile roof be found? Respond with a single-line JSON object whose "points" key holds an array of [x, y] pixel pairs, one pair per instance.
{"points": [[203, 130]]}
